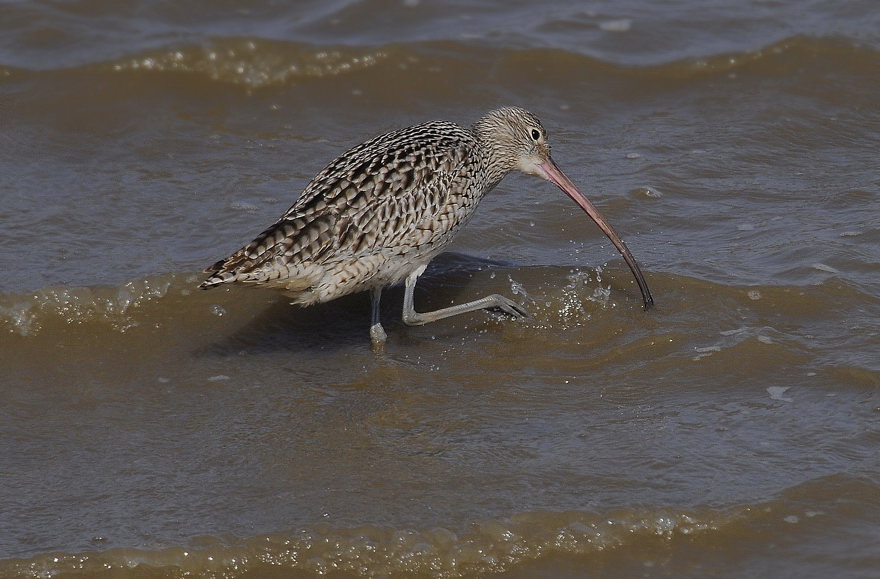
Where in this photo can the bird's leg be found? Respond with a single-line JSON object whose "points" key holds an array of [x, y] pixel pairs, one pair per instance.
{"points": [[377, 332], [413, 318]]}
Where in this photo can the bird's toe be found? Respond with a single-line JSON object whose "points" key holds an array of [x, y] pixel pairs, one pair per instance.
{"points": [[510, 307]]}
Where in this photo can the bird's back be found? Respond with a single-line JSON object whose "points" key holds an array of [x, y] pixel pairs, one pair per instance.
{"points": [[371, 216]]}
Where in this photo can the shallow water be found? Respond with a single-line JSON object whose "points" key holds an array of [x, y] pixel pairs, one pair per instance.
{"points": [[150, 429]]}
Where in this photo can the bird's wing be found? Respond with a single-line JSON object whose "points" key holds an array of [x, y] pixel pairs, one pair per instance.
{"points": [[388, 192], [400, 206]]}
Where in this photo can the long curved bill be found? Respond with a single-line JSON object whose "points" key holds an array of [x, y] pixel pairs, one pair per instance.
{"points": [[554, 174]]}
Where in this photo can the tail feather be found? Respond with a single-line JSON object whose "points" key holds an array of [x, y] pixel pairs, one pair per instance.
{"points": [[239, 268], [216, 279], [228, 269]]}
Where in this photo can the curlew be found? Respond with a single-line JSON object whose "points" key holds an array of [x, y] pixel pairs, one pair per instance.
{"points": [[380, 212]]}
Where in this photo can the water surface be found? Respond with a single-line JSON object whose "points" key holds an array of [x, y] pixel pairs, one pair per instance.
{"points": [[152, 430]]}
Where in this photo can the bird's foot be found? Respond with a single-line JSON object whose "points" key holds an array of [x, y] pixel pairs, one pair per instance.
{"points": [[378, 337], [508, 306]]}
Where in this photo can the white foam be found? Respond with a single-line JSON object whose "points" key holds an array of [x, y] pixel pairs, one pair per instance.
{"points": [[621, 25], [824, 267], [776, 393]]}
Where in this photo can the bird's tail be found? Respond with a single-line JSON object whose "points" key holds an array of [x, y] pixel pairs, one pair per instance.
{"points": [[218, 276]]}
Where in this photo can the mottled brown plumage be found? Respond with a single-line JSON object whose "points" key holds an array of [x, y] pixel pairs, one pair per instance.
{"points": [[381, 211]]}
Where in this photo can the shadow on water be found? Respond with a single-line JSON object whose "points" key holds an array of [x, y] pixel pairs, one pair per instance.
{"points": [[344, 323]]}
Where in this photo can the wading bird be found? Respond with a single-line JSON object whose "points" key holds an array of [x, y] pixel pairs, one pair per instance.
{"points": [[380, 212]]}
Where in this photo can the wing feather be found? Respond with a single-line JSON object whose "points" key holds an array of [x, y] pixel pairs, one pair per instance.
{"points": [[388, 192]]}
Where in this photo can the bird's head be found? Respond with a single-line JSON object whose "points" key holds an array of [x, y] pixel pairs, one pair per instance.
{"points": [[516, 138]]}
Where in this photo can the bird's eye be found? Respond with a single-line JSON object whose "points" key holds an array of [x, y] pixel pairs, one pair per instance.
{"points": [[536, 134]]}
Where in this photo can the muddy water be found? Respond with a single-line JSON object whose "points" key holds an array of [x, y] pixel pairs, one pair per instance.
{"points": [[150, 429]]}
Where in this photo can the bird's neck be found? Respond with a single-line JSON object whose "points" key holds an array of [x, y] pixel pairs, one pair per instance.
{"points": [[497, 161]]}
